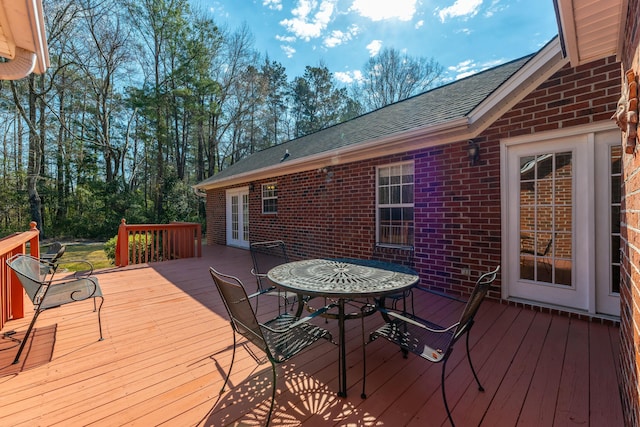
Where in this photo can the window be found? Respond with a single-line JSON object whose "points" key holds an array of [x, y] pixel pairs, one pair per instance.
{"points": [[394, 201], [270, 198]]}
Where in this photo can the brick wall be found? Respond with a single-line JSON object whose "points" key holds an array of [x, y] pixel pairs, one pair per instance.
{"points": [[630, 231], [457, 206]]}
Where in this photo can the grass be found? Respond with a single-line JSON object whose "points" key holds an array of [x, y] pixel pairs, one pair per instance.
{"points": [[92, 252]]}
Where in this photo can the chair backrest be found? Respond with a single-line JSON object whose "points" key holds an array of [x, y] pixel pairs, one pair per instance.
{"points": [[30, 272], [58, 253], [480, 290], [236, 301], [265, 256]]}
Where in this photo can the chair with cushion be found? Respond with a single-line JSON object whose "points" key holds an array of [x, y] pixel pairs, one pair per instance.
{"points": [[37, 279], [279, 339], [265, 256], [430, 341]]}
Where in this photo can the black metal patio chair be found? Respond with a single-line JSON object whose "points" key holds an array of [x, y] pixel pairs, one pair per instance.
{"points": [[265, 256], [428, 340], [279, 338], [37, 279], [53, 254]]}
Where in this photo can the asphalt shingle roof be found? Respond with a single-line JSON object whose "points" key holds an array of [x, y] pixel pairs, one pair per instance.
{"points": [[440, 105]]}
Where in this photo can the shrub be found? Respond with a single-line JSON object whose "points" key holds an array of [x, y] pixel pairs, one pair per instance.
{"points": [[140, 244]]}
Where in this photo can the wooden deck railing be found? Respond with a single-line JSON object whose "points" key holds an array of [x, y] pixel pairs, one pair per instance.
{"points": [[142, 243], [11, 293]]}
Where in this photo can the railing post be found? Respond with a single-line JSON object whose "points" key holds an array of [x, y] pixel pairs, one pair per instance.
{"points": [[122, 245], [199, 239], [34, 243]]}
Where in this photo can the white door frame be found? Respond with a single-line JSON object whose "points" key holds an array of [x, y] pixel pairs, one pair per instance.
{"points": [[607, 302], [582, 295], [237, 222]]}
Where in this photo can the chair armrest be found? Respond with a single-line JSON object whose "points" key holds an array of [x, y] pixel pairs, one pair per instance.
{"points": [[415, 320], [79, 274]]}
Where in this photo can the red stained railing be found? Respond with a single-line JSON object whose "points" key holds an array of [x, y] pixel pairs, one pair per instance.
{"points": [[142, 243], [11, 293]]}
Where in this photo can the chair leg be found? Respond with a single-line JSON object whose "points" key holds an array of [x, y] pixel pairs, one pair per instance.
{"points": [[26, 336], [471, 364], [273, 394], [364, 360], [99, 309], [233, 358], [444, 394]]}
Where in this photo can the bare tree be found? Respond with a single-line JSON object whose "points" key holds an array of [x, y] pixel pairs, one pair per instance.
{"points": [[392, 76]]}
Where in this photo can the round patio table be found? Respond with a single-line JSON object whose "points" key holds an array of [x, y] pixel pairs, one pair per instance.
{"points": [[342, 280]]}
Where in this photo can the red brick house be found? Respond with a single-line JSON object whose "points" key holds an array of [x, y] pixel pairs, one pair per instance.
{"points": [[552, 195]]}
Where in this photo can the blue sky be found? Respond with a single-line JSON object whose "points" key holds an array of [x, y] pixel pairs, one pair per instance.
{"points": [[464, 36]]}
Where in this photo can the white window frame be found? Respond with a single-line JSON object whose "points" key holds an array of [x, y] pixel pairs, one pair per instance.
{"points": [[380, 205], [274, 196]]}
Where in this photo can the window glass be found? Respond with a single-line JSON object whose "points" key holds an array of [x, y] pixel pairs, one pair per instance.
{"points": [[395, 212], [270, 198]]}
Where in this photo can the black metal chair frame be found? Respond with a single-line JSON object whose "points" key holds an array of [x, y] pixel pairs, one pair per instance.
{"points": [[266, 255], [404, 265], [429, 340], [279, 338], [52, 257], [37, 279]]}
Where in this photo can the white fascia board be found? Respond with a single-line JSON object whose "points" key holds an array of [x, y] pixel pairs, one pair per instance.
{"points": [[391, 144], [36, 20], [535, 72], [568, 28]]}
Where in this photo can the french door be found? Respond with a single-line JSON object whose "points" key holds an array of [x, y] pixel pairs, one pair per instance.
{"points": [[238, 217], [562, 209]]}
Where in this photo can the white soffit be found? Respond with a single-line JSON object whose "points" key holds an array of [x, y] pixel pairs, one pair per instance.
{"points": [[591, 29], [22, 39]]}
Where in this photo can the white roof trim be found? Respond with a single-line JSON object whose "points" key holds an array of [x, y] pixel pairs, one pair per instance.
{"points": [[535, 72], [23, 38]]}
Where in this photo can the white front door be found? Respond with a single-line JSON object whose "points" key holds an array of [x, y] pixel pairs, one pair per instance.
{"points": [[238, 217], [562, 209]]}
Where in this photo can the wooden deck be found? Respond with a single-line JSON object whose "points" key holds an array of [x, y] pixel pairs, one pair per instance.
{"points": [[167, 347]]}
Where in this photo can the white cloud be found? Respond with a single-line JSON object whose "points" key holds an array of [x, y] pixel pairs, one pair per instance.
{"points": [[310, 18], [348, 77], [288, 50], [419, 24], [470, 67], [286, 39], [374, 47], [338, 37], [494, 8], [461, 8], [273, 4], [378, 10]]}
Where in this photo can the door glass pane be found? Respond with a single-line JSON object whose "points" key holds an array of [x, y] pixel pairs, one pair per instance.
{"points": [[616, 191], [245, 217], [235, 217], [546, 218]]}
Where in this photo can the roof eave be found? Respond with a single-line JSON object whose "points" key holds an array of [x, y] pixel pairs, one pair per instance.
{"points": [[532, 74], [591, 30], [23, 24], [388, 145]]}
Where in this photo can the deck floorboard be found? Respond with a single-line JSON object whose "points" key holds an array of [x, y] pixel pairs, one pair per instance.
{"points": [[167, 349]]}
